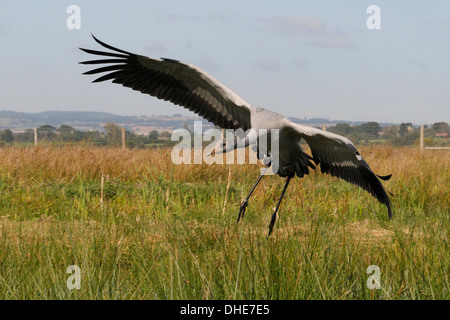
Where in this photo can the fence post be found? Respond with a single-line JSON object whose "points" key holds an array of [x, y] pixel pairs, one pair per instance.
{"points": [[124, 145], [35, 137], [101, 190], [421, 137]]}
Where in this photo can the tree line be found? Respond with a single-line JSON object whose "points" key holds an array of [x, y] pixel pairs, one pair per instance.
{"points": [[403, 134], [65, 134], [366, 133]]}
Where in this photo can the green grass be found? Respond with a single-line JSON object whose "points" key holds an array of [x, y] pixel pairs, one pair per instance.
{"points": [[163, 232]]}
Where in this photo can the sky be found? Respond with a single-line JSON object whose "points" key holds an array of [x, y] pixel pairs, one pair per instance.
{"points": [[304, 59]]}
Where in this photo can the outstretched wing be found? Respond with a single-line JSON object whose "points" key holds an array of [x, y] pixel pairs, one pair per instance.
{"points": [[174, 81], [338, 157]]}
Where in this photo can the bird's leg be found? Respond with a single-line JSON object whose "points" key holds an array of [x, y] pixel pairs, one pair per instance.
{"points": [[245, 202], [274, 215]]}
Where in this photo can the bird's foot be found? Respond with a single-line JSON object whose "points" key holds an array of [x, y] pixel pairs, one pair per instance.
{"points": [[242, 209]]}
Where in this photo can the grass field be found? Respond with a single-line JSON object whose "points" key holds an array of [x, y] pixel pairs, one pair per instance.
{"points": [[156, 230]]}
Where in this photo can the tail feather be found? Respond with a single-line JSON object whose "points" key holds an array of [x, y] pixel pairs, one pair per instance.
{"points": [[385, 178]]}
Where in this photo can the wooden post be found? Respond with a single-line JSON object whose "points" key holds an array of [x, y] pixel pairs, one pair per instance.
{"points": [[124, 145], [101, 191], [35, 137], [421, 137]]}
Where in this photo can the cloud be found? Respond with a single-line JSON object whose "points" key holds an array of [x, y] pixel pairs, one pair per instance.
{"points": [[294, 25], [155, 47], [267, 64], [179, 17], [438, 23], [3, 28], [207, 64], [331, 41], [421, 64], [215, 17], [300, 63], [314, 29], [224, 17]]}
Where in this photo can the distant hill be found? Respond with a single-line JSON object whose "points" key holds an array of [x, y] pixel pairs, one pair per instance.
{"points": [[322, 121], [90, 120], [15, 120]]}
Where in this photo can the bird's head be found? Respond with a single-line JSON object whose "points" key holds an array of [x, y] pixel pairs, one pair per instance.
{"points": [[223, 146]]}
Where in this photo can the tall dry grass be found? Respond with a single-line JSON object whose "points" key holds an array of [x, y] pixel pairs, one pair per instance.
{"points": [[421, 174], [169, 231], [66, 163]]}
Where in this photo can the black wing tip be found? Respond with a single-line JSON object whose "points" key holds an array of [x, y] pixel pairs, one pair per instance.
{"points": [[170, 60], [388, 202], [105, 45], [385, 178], [384, 199], [389, 210], [375, 187], [95, 38], [100, 42]]}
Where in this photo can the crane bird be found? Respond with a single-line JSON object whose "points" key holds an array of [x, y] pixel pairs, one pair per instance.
{"points": [[188, 86]]}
